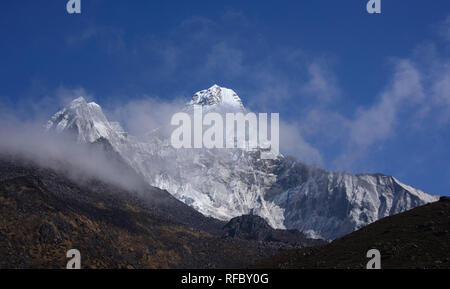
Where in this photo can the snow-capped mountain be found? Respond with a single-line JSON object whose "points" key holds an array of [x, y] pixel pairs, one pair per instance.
{"points": [[217, 96], [226, 183], [86, 120]]}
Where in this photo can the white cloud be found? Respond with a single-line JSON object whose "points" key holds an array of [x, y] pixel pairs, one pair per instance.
{"points": [[141, 116], [293, 144], [321, 83], [281, 77], [440, 92], [377, 122], [81, 163]]}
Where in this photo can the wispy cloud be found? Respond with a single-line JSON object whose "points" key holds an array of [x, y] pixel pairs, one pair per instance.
{"points": [[292, 143], [201, 51], [141, 116], [81, 163], [377, 122], [321, 83]]}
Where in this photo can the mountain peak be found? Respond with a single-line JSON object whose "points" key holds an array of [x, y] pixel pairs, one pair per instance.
{"points": [[217, 95], [86, 120], [78, 100], [81, 102]]}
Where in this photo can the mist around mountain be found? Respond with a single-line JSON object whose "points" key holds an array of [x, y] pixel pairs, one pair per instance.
{"points": [[136, 202], [46, 212], [227, 183]]}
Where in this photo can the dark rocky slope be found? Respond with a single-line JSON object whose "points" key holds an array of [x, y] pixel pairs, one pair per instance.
{"points": [[44, 213], [418, 238], [253, 227]]}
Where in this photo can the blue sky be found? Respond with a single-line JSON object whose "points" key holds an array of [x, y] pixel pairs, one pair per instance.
{"points": [[356, 92]]}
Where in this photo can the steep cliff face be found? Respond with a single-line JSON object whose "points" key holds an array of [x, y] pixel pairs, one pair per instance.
{"points": [[335, 204], [253, 227], [226, 183]]}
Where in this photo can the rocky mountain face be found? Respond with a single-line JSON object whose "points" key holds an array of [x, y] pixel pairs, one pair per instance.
{"points": [[227, 183], [253, 227], [217, 96], [416, 239]]}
